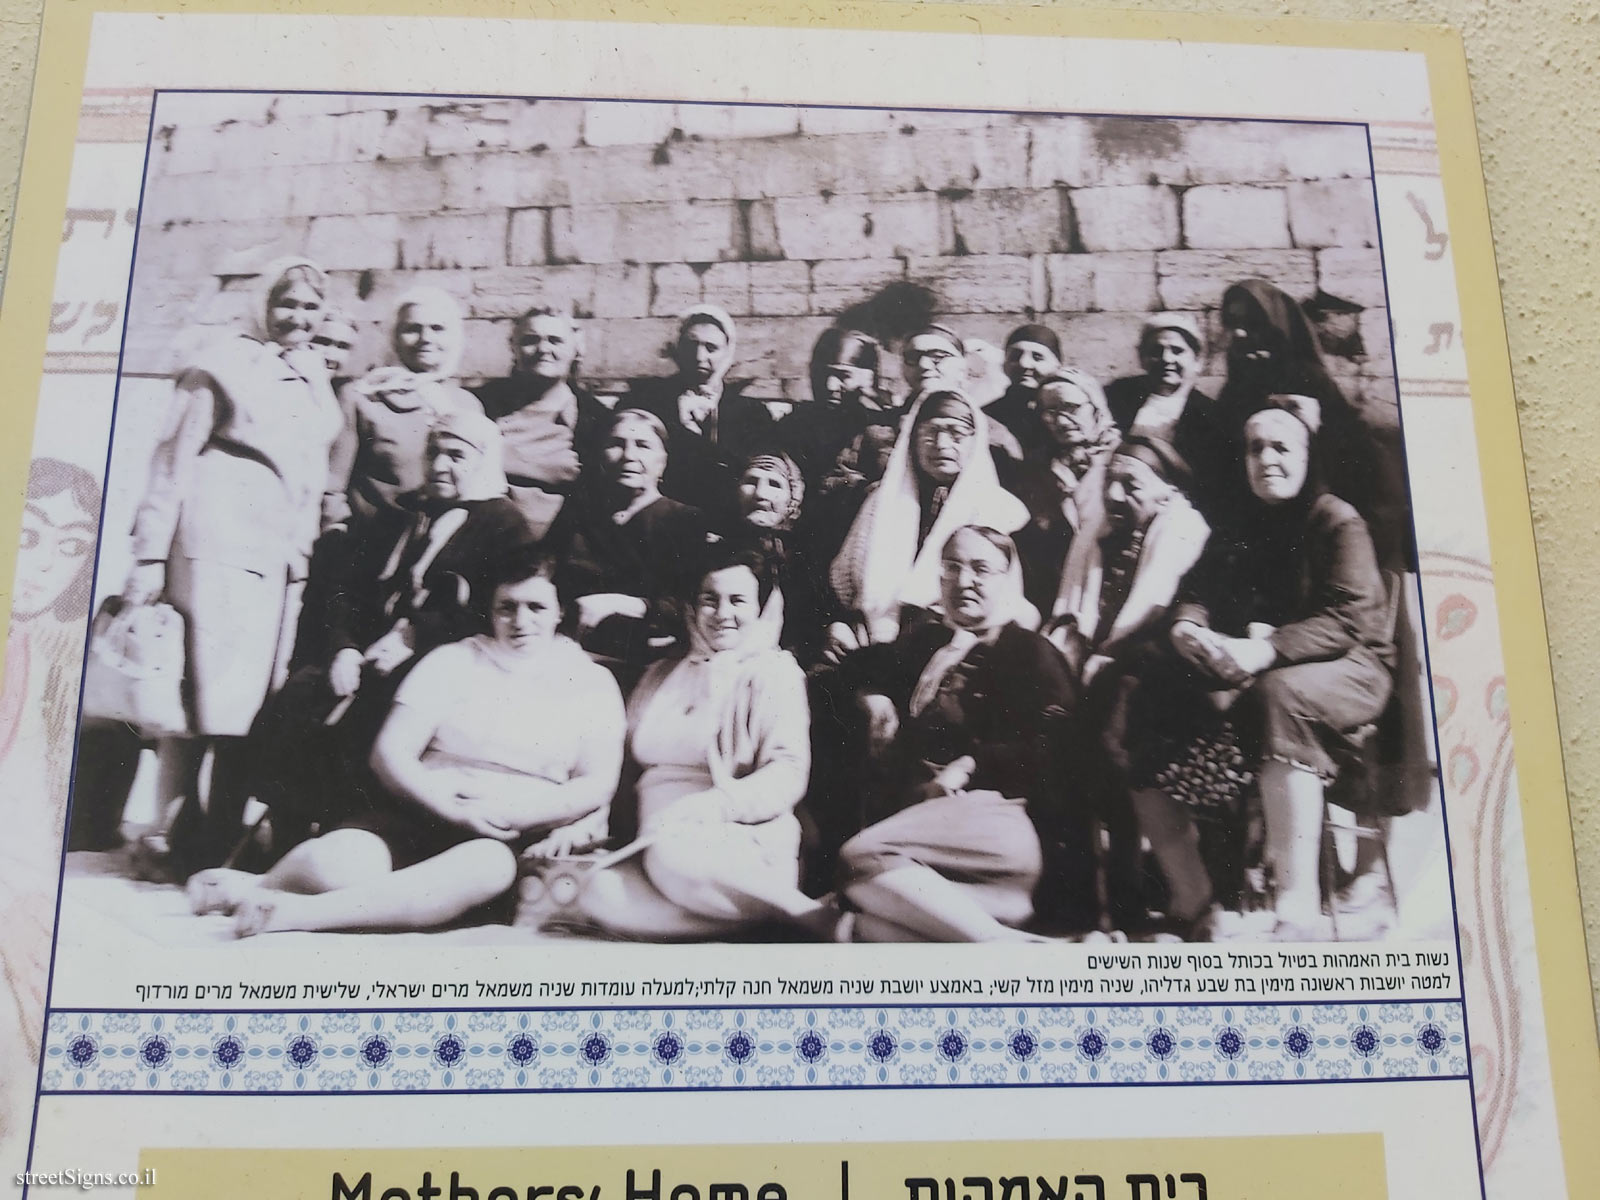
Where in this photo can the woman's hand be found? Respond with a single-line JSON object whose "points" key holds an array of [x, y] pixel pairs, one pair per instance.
{"points": [[145, 583], [596, 608], [951, 778], [842, 639], [344, 673], [883, 722], [1247, 657], [453, 800], [1191, 643], [392, 649], [1093, 666], [580, 836]]}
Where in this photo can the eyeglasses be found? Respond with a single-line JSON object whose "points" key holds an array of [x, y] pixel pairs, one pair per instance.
{"points": [[932, 433], [935, 358], [950, 569]]}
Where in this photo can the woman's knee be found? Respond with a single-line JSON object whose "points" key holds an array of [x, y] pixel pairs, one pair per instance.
{"points": [[490, 863], [682, 870], [345, 857]]}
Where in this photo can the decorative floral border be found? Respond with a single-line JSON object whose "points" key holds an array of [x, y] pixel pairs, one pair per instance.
{"points": [[736, 1048]]}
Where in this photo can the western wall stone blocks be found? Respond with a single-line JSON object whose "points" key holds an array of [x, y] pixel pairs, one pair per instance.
{"points": [[691, 231], [1353, 274], [454, 240], [726, 284], [760, 228], [1104, 344], [836, 284], [1196, 279], [1061, 151], [1232, 152], [673, 288], [527, 237], [627, 349], [1123, 281], [777, 289], [1333, 212], [621, 290], [507, 292], [355, 243], [1328, 152], [373, 294], [858, 226], [990, 283], [544, 124], [1126, 218], [1008, 221], [1234, 216], [777, 348]]}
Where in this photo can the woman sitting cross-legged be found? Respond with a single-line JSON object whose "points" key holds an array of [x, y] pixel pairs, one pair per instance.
{"points": [[719, 740], [1283, 647], [492, 742], [963, 714]]}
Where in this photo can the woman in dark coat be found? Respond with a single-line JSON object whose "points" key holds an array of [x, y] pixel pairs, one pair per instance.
{"points": [[711, 426], [632, 549], [962, 715], [1282, 646]]}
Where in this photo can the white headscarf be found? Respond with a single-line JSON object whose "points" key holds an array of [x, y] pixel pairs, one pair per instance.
{"points": [[697, 405], [880, 567], [398, 385]]}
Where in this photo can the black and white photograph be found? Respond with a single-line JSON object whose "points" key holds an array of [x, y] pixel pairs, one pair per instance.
{"points": [[535, 519]]}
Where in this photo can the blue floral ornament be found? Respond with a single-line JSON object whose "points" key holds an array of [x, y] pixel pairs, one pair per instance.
{"points": [[522, 1051], [1364, 1040], [1431, 1040], [1092, 1045], [667, 1048], [155, 1051], [594, 1052], [953, 1045], [227, 1053], [1022, 1046], [1298, 1042], [450, 1052], [82, 1051], [810, 1047], [882, 1046], [1161, 1044], [374, 1053], [1229, 1043]]}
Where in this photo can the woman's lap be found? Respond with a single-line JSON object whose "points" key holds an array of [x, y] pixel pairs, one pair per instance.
{"points": [[979, 838]]}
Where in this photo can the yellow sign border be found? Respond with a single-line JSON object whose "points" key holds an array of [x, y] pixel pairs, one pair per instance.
{"points": [[1569, 1017]]}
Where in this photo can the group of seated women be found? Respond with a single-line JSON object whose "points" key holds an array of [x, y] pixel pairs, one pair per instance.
{"points": [[943, 665]]}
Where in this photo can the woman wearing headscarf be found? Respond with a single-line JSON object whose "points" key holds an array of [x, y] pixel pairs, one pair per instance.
{"points": [[771, 493], [962, 717], [848, 396], [1282, 644], [389, 410], [632, 547], [420, 579], [718, 748], [1032, 355], [712, 426], [940, 477], [225, 532], [1062, 478], [493, 741], [1164, 404], [1110, 621]]}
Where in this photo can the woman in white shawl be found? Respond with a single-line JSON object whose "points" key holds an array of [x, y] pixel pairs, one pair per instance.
{"points": [[389, 410], [940, 477]]}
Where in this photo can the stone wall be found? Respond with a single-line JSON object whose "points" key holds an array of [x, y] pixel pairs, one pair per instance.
{"points": [[627, 213]]}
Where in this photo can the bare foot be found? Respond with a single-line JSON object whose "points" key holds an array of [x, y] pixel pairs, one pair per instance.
{"points": [[266, 911], [219, 890]]}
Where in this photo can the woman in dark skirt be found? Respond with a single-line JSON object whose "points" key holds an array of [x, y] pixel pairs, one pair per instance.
{"points": [[961, 717], [1282, 647]]}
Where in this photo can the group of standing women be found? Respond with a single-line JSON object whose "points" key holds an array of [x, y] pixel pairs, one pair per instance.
{"points": [[897, 666]]}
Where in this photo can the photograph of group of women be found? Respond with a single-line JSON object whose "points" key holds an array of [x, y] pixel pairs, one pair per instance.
{"points": [[969, 645]]}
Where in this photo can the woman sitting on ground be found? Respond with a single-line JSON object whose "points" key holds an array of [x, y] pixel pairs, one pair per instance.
{"points": [[940, 477], [492, 742], [962, 715], [1283, 647], [718, 739]]}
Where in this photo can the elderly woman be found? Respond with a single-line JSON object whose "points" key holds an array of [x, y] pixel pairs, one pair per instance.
{"points": [[1032, 355], [1163, 403], [1062, 479], [633, 547], [420, 579], [712, 426], [492, 742], [1110, 620], [1283, 643], [963, 713], [935, 359], [549, 422], [389, 410], [940, 476], [771, 492], [224, 534], [848, 397], [718, 738]]}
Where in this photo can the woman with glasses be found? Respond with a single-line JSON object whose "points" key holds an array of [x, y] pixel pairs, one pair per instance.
{"points": [[961, 716], [939, 478]]}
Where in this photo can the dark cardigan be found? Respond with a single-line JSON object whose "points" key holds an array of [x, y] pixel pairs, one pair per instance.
{"points": [[1315, 578], [1207, 442], [1014, 703]]}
